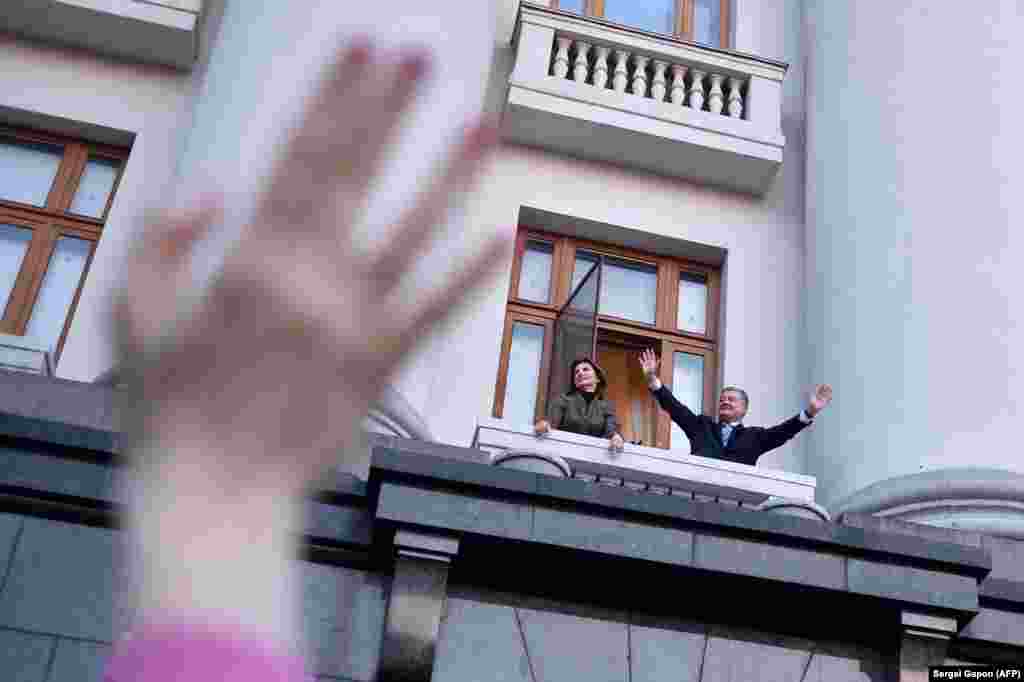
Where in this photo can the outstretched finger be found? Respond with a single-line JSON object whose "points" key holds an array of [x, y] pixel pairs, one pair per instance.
{"points": [[333, 155], [422, 221], [443, 302]]}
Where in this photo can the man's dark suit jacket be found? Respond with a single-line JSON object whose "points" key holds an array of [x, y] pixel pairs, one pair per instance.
{"points": [[746, 443]]}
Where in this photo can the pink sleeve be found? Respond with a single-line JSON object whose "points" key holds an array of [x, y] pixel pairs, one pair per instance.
{"points": [[178, 653]]}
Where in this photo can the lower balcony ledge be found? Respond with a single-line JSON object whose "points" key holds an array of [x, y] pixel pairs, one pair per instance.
{"points": [[149, 32], [648, 135]]}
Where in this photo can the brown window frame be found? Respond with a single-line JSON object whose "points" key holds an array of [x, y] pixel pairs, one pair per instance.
{"points": [[684, 18], [52, 221], [511, 317], [663, 333]]}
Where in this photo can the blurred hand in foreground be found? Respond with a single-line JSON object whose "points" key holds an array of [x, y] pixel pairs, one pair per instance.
{"points": [[273, 370]]}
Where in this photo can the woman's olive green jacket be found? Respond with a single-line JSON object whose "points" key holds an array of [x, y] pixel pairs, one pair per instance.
{"points": [[570, 412]]}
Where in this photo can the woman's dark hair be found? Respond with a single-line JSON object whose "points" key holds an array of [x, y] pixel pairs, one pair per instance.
{"points": [[602, 384]]}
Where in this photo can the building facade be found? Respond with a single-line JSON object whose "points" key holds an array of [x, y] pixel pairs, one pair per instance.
{"points": [[763, 188]]}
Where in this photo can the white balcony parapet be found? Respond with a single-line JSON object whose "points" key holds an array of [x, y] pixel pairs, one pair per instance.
{"points": [[670, 106], [648, 468], [151, 31]]}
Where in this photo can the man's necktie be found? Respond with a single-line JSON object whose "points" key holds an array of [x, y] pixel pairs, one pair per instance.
{"points": [[726, 432]]}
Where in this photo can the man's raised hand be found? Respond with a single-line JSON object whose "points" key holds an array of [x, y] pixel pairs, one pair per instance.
{"points": [[821, 396], [649, 363]]}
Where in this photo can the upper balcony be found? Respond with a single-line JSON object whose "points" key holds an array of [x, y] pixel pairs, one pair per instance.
{"points": [[151, 31], [589, 88]]}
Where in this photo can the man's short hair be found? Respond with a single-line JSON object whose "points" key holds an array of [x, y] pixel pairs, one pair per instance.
{"points": [[741, 392]]}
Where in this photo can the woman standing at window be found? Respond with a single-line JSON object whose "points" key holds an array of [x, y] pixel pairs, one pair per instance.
{"points": [[584, 409]]}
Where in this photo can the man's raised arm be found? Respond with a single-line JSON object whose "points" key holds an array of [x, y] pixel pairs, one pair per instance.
{"points": [[776, 436], [680, 414]]}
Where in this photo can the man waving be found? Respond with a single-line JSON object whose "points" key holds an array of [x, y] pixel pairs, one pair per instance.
{"points": [[726, 437]]}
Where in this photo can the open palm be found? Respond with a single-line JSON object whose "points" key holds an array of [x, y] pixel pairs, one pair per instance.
{"points": [[301, 330], [648, 362], [821, 396]]}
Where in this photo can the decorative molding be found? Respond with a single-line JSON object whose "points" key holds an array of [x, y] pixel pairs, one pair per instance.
{"points": [[802, 508], [536, 462], [989, 501]]}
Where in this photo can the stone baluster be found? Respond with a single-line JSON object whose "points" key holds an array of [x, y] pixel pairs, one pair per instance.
{"points": [[735, 98], [581, 67], [678, 93], [640, 75], [697, 89], [621, 75], [562, 57], [601, 66], [716, 98], [658, 81]]}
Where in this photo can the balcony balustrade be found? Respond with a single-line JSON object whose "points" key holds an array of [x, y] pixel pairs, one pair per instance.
{"points": [[588, 88]]}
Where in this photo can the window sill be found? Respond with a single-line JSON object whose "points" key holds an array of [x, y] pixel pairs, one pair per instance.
{"points": [[20, 354]]}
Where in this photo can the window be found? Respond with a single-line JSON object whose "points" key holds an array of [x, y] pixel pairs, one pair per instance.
{"points": [[703, 21], [55, 193], [644, 300], [692, 311], [535, 272], [628, 289]]}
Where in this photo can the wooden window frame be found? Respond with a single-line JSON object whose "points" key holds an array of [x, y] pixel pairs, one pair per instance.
{"points": [[522, 239], [512, 316], [663, 334], [52, 221], [666, 375], [683, 18]]}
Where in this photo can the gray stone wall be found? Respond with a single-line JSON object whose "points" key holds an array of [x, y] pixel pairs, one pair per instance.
{"points": [[504, 638], [61, 605]]}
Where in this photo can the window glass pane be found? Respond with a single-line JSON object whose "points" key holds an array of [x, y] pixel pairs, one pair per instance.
{"points": [[95, 187], [651, 15], [707, 21], [59, 285], [688, 388], [14, 243], [572, 5], [693, 303], [584, 261], [524, 359], [535, 272], [628, 290], [27, 171]]}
